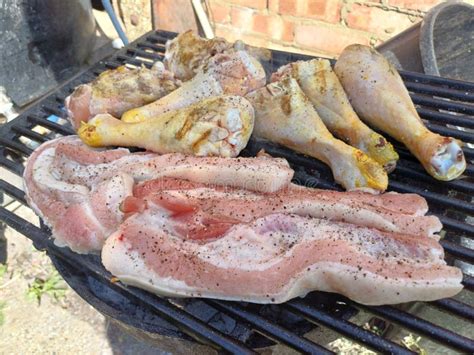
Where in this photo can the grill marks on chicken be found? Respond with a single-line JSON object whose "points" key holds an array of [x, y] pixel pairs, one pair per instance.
{"points": [[379, 96], [321, 85], [226, 74], [217, 126], [78, 191], [174, 249], [118, 90], [284, 115]]}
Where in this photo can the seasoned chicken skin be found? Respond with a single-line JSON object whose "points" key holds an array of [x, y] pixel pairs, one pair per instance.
{"points": [[118, 90], [217, 126], [321, 85], [379, 96], [283, 114], [235, 74], [187, 54]]}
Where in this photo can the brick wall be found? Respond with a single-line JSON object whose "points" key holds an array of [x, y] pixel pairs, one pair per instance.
{"points": [[314, 26]]}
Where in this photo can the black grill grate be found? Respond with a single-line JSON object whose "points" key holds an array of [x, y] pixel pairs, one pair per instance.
{"points": [[448, 107]]}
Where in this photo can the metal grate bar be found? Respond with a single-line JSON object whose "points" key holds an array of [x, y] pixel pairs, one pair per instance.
{"points": [[436, 80], [468, 282], [424, 327], [270, 329], [346, 328], [13, 191], [154, 47], [24, 227], [462, 95], [52, 110], [144, 54], [456, 225], [446, 118], [442, 104], [158, 37], [134, 61], [458, 250], [458, 308], [10, 165], [455, 133], [468, 152], [30, 134], [64, 130], [18, 147], [109, 65]]}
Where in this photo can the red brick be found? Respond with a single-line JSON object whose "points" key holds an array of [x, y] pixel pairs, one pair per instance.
{"points": [[316, 8], [292, 7], [332, 39], [255, 4], [287, 7], [273, 26], [376, 20], [227, 32], [328, 10], [423, 5], [273, 5], [241, 18], [287, 34], [255, 41], [219, 13], [260, 23]]}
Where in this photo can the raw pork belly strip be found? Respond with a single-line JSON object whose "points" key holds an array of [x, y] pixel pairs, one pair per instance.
{"points": [[360, 209], [78, 190], [175, 250], [81, 216], [187, 239]]}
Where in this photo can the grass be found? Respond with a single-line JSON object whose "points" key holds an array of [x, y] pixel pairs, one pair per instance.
{"points": [[3, 270], [51, 285], [3, 304], [413, 344], [373, 329]]}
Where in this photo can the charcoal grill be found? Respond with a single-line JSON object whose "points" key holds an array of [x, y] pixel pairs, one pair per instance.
{"points": [[446, 105]]}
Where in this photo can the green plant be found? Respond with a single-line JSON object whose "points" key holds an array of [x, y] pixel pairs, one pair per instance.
{"points": [[413, 344], [3, 304], [373, 329], [3, 270], [52, 285]]}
